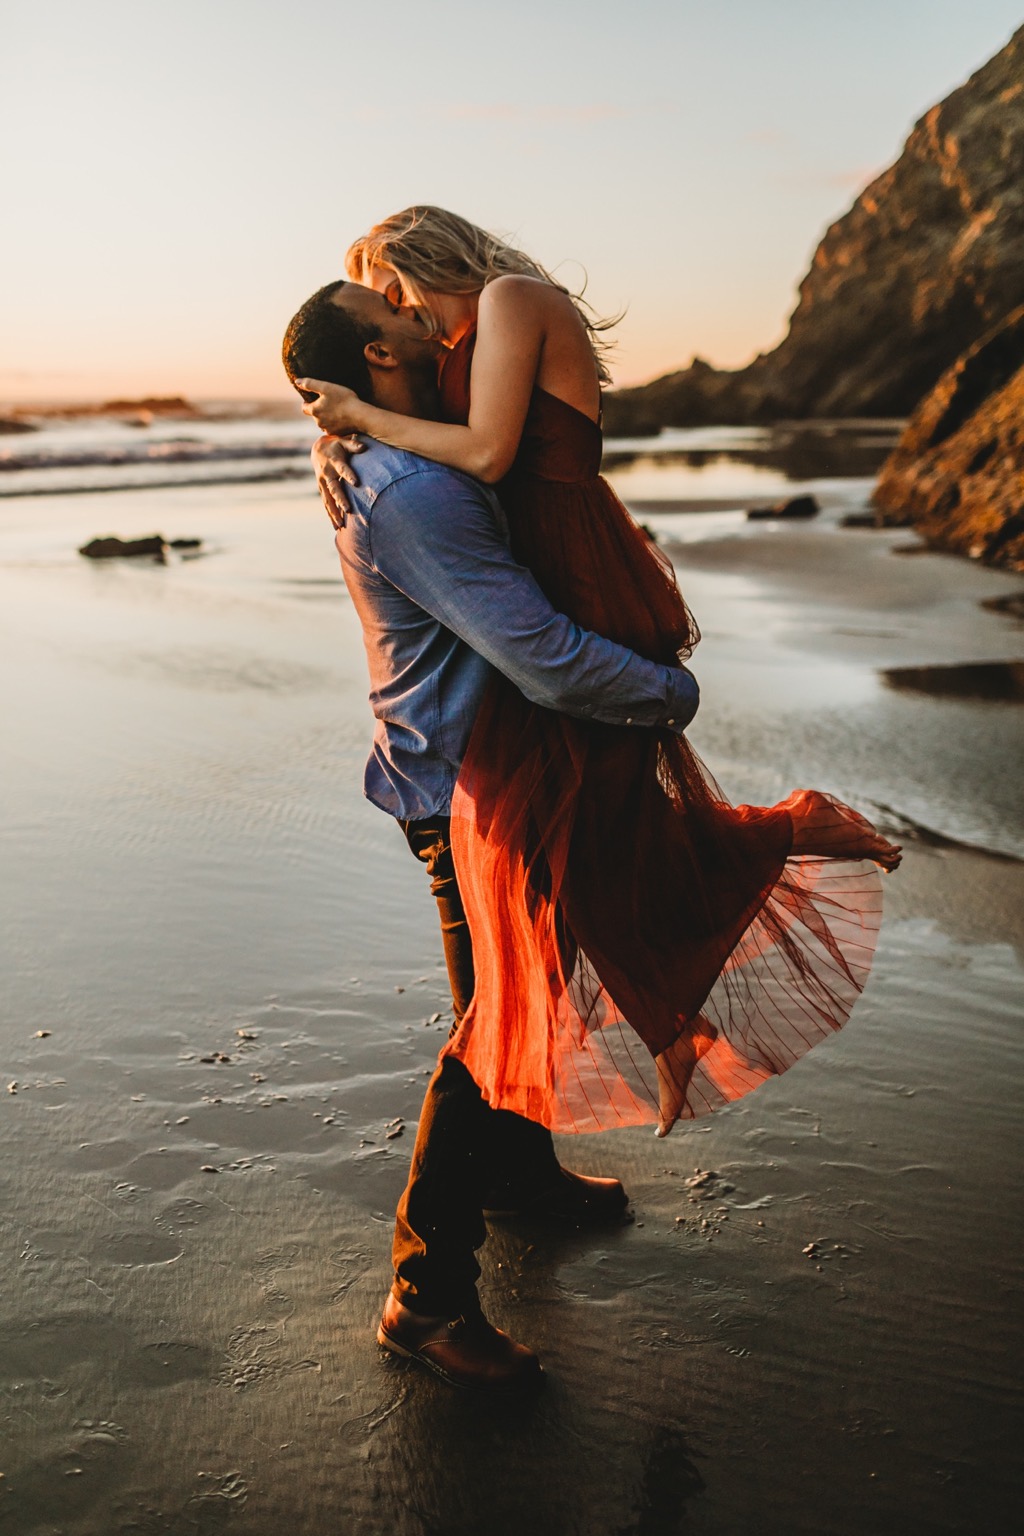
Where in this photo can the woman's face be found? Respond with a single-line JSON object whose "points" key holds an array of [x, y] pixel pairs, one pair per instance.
{"points": [[386, 280], [448, 315], [380, 279]]}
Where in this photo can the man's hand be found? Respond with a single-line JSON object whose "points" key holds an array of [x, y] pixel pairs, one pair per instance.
{"points": [[335, 410], [330, 456]]}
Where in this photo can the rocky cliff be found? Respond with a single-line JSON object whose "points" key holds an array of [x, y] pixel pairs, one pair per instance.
{"points": [[957, 473], [929, 257]]}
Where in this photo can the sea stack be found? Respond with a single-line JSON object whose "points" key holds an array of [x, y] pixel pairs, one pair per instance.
{"points": [[926, 261]]}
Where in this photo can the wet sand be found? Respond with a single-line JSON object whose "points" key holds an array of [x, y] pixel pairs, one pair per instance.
{"points": [[223, 996]]}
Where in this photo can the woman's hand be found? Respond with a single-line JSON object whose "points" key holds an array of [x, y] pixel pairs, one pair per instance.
{"points": [[331, 456], [336, 410]]}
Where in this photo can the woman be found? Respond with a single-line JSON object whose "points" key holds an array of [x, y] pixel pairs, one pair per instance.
{"points": [[613, 895]]}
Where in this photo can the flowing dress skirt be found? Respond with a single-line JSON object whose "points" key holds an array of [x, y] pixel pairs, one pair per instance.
{"points": [[644, 951]]}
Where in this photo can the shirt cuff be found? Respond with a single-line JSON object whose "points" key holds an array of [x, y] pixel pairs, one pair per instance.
{"points": [[684, 697]]}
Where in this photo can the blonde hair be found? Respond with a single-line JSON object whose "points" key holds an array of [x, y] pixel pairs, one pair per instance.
{"points": [[432, 250]]}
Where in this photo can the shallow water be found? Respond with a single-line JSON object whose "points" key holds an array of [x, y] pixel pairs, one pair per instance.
{"points": [[223, 995]]}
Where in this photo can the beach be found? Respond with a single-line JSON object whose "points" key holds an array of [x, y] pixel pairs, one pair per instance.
{"points": [[224, 994]]}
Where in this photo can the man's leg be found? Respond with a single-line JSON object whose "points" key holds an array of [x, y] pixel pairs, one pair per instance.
{"points": [[463, 1147], [524, 1175]]}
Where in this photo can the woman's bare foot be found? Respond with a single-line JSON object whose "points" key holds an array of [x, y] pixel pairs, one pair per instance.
{"points": [[675, 1067], [669, 1098], [826, 828]]}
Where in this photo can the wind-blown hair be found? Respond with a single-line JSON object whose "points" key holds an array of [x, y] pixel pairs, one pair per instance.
{"points": [[432, 250]]}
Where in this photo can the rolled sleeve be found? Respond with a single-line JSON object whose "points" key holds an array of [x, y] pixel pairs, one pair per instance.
{"points": [[687, 699]]}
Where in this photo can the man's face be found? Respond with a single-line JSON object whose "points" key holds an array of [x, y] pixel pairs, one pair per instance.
{"points": [[399, 326]]}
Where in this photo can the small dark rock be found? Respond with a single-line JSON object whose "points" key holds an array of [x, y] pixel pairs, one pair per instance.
{"points": [[911, 549], [186, 543], [796, 507], [1012, 605], [112, 548]]}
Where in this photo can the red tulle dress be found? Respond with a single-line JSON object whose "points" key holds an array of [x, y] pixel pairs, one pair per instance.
{"points": [[644, 951]]}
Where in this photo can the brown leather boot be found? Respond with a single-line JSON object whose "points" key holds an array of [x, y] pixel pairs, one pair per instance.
{"points": [[463, 1351], [572, 1197]]}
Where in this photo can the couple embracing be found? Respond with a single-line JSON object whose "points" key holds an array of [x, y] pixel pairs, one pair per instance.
{"points": [[624, 945]]}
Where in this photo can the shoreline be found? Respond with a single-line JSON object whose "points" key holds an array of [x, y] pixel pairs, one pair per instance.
{"points": [[223, 958]]}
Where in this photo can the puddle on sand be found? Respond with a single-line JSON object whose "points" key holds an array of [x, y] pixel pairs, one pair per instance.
{"points": [[1002, 681]]}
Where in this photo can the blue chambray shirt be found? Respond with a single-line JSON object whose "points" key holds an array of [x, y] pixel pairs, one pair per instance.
{"points": [[441, 600]]}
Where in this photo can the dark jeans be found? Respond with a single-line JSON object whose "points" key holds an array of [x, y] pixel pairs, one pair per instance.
{"points": [[464, 1149]]}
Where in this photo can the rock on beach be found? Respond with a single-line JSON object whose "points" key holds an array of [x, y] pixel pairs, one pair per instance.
{"points": [[957, 474], [797, 507], [154, 546]]}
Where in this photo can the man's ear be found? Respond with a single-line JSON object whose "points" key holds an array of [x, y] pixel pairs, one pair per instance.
{"points": [[379, 355]]}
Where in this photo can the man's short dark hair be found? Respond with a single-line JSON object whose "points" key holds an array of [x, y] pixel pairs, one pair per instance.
{"points": [[323, 341]]}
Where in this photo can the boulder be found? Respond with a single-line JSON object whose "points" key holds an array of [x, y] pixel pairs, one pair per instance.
{"points": [[923, 264], [861, 520], [957, 473]]}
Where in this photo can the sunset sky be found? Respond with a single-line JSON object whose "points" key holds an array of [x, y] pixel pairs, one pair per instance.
{"points": [[180, 177]]}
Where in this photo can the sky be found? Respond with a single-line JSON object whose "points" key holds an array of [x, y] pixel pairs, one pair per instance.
{"points": [[177, 178]]}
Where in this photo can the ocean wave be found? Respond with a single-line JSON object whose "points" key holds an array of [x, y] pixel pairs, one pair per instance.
{"points": [[102, 455], [175, 451]]}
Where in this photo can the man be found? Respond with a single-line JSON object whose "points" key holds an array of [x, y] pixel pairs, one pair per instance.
{"points": [[441, 600]]}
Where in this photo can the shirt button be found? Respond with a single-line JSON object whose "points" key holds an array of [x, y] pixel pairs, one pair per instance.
{"points": [[629, 719], [671, 722]]}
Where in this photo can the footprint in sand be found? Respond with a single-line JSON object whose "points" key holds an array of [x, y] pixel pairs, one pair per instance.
{"points": [[182, 1214], [269, 1264], [166, 1362], [218, 1499], [255, 1358], [131, 1249], [358, 1430], [352, 1267], [92, 1155]]}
